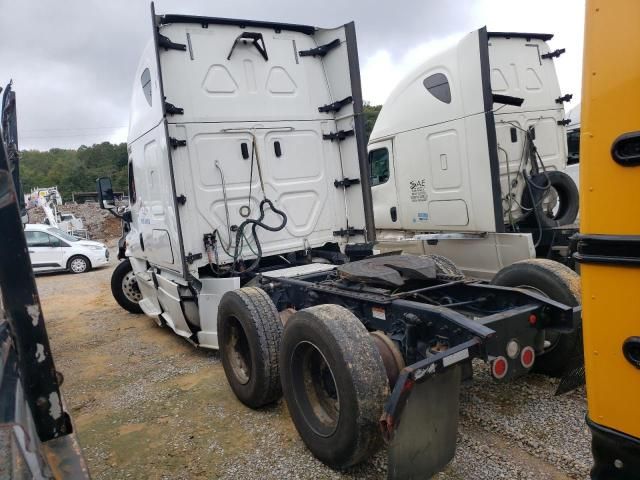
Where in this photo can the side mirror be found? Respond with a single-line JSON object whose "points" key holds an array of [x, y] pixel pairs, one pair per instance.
{"points": [[105, 193]]}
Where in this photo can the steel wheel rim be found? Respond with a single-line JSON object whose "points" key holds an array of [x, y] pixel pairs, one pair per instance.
{"points": [[237, 351], [78, 265], [551, 203], [315, 388], [130, 288]]}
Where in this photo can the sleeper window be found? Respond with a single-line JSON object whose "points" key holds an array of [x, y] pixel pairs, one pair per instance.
{"points": [[145, 80], [438, 86], [379, 166]]}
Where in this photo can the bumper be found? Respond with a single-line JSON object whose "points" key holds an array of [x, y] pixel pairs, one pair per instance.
{"points": [[616, 455], [99, 259]]}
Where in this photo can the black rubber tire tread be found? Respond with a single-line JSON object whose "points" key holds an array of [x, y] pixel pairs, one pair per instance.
{"points": [[118, 274], [78, 256], [261, 323], [568, 195], [559, 283], [445, 268], [360, 378]]}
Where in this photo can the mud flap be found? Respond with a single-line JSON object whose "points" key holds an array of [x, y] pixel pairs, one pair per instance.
{"points": [[574, 372], [425, 440]]}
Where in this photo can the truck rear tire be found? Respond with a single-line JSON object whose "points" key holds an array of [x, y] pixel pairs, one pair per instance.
{"points": [[249, 334], [557, 282], [335, 384], [124, 287]]}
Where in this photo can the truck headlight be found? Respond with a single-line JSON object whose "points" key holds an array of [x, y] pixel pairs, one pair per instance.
{"points": [[96, 247]]}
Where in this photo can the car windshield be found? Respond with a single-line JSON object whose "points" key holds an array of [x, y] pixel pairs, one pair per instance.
{"points": [[63, 235]]}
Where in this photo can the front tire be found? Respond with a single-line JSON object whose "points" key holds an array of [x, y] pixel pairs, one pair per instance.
{"points": [[124, 287], [335, 384], [557, 282], [249, 334], [78, 264]]}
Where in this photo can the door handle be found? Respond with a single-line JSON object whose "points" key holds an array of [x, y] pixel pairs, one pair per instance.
{"points": [[631, 351], [31, 251], [393, 211]]}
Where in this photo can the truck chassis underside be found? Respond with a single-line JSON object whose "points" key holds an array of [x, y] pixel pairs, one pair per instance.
{"points": [[438, 326]]}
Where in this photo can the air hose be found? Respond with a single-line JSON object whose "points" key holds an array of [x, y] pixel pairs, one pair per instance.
{"points": [[241, 236], [254, 225]]}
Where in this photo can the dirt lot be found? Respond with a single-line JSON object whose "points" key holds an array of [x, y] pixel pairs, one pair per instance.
{"points": [[147, 404]]}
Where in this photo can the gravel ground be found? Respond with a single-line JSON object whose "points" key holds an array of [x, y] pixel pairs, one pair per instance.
{"points": [[147, 404]]}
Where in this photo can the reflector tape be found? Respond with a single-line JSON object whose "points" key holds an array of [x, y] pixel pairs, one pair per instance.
{"points": [[455, 357]]}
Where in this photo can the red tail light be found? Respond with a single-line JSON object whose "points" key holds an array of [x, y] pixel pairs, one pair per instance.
{"points": [[408, 385], [527, 357], [499, 367]]}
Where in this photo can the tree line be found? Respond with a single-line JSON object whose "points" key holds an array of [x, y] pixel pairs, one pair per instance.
{"points": [[74, 170], [77, 170]]}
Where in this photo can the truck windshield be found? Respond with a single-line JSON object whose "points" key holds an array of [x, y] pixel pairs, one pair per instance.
{"points": [[63, 235]]}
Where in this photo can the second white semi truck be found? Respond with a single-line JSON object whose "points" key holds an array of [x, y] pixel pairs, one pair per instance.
{"points": [[468, 155]]}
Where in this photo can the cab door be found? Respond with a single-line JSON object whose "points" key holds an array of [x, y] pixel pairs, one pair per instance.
{"points": [[45, 250], [383, 185]]}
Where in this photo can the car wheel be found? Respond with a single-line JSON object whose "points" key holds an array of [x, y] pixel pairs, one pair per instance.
{"points": [[78, 264]]}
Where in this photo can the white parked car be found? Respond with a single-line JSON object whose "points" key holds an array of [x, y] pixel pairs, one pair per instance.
{"points": [[52, 249]]}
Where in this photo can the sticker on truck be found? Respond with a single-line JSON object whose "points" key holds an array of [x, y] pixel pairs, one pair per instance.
{"points": [[418, 190]]}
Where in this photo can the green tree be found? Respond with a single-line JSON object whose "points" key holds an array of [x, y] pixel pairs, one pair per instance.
{"points": [[74, 170], [370, 115]]}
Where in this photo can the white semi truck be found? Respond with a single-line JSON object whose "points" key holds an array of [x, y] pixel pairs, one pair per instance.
{"points": [[468, 155], [250, 217]]}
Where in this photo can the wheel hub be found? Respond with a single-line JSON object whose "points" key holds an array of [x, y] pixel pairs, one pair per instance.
{"points": [[130, 288], [316, 389], [237, 351], [78, 265]]}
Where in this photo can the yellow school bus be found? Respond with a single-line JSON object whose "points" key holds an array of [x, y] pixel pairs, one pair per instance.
{"points": [[609, 243]]}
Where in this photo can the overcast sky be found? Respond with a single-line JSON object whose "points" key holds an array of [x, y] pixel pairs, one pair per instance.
{"points": [[73, 61]]}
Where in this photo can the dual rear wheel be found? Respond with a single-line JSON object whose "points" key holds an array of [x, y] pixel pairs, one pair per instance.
{"points": [[325, 363]]}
